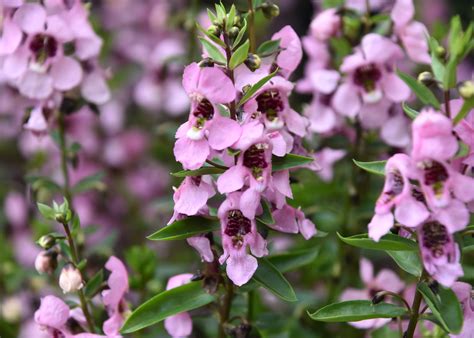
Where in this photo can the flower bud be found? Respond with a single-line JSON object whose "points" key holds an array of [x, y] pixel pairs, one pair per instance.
{"points": [[237, 21], [214, 30], [46, 262], [253, 62], [441, 52], [233, 32], [270, 10], [426, 78], [206, 62], [47, 241], [70, 279], [379, 297], [466, 90]]}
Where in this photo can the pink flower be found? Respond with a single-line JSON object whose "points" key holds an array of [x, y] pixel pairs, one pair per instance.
{"points": [[113, 297], [326, 158], [385, 280], [192, 195], [399, 194], [37, 123], [203, 246], [371, 85], [52, 316], [292, 220], [16, 209], [238, 232], [326, 24], [464, 293], [179, 325], [440, 253], [290, 57], [412, 34], [465, 130], [206, 129]]}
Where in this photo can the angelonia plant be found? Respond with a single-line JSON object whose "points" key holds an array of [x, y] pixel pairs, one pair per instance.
{"points": [[320, 186]]}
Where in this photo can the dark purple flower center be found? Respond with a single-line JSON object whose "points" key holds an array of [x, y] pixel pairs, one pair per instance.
{"points": [[204, 110], [254, 159], [43, 46], [434, 174], [435, 237], [237, 226], [367, 76], [418, 194], [396, 184], [270, 103], [196, 180]]}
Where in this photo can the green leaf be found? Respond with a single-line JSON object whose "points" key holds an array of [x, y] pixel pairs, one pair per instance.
{"points": [[293, 260], [230, 18], [449, 80], [465, 109], [90, 183], [249, 93], [411, 113], [374, 167], [268, 276], [289, 161], [239, 55], [168, 303], [212, 50], [94, 284], [436, 65], [408, 261], [211, 15], [266, 217], [422, 92], [46, 211], [356, 310], [220, 10], [388, 242], [185, 228], [268, 47], [463, 150], [213, 38], [199, 172], [240, 35], [445, 307], [38, 182]]}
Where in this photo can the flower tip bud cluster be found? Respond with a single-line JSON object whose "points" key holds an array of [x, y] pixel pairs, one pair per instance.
{"points": [[70, 279]]}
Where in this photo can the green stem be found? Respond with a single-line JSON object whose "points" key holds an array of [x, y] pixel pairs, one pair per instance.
{"points": [[250, 305], [68, 195], [251, 25], [447, 104], [415, 308], [226, 306]]}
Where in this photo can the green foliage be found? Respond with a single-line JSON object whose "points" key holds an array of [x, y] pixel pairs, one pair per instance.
{"points": [[94, 284], [268, 276], [253, 90], [239, 56], [268, 47], [168, 303], [289, 161], [356, 310], [89, 183], [185, 228], [421, 91], [199, 172], [374, 167], [212, 50], [389, 242], [411, 113], [408, 261]]}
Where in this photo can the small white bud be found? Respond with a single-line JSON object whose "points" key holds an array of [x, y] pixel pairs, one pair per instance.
{"points": [[46, 262], [70, 279]]}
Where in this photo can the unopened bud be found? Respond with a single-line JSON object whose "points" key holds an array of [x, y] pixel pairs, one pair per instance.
{"points": [[70, 279], [214, 30], [46, 262], [426, 78], [466, 90], [270, 10], [253, 62], [441, 52], [379, 297], [206, 62], [47, 241], [237, 21], [233, 32]]}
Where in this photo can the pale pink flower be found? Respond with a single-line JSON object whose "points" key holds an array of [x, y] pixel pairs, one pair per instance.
{"points": [[464, 293], [52, 316], [326, 24], [292, 220], [179, 325]]}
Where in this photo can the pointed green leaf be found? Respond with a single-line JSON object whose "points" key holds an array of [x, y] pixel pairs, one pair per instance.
{"points": [[465, 109], [388, 242], [89, 183], [289, 161], [212, 50], [240, 35], [239, 55], [293, 260], [213, 38], [168, 303], [211, 15], [249, 93], [185, 228], [268, 47], [266, 217], [94, 284], [46, 211], [411, 113], [436, 65], [445, 307], [199, 172], [422, 92], [408, 261], [374, 167], [268, 276], [356, 310], [230, 17]]}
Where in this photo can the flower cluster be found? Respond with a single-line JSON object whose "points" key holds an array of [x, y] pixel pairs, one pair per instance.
{"points": [[363, 86], [428, 191], [49, 52], [241, 138]]}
